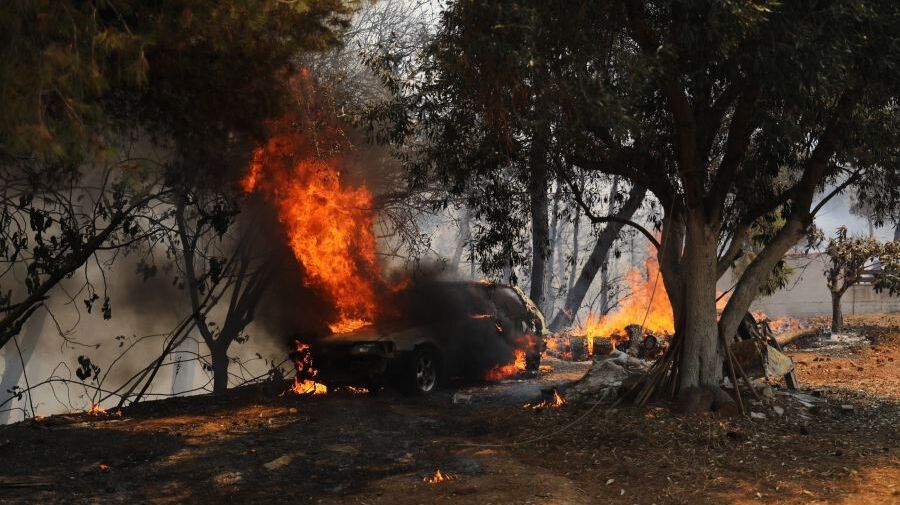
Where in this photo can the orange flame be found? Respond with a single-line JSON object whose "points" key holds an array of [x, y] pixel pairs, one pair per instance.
{"points": [[304, 380], [328, 223], [438, 477], [96, 410], [645, 304], [508, 370], [554, 403]]}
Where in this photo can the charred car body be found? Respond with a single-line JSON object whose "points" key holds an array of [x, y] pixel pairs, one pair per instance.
{"points": [[439, 330]]}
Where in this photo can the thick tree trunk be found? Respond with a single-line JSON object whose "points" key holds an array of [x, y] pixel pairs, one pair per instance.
{"points": [[701, 359], [837, 316], [219, 356], [540, 238]]}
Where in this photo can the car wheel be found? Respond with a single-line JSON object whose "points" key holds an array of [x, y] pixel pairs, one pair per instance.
{"points": [[423, 372]]}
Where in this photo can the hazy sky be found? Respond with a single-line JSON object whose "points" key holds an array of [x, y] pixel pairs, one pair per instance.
{"points": [[837, 212]]}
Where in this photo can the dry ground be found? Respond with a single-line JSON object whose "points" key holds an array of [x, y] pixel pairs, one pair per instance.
{"points": [[254, 447]]}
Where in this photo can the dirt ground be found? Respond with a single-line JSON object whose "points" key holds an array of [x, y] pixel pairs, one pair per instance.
{"points": [[253, 446]]}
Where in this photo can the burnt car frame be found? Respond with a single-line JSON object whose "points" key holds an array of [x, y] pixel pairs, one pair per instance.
{"points": [[449, 329]]}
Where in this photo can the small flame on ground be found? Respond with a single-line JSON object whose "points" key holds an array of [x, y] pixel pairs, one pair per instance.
{"points": [[481, 316], [96, 410], [438, 477], [508, 370], [554, 403]]}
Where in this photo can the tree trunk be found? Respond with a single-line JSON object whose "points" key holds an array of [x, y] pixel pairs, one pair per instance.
{"points": [[551, 255], [604, 270], [701, 360], [12, 363], [595, 261], [837, 316], [576, 229], [465, 233], [540, 237], [219, 356]]}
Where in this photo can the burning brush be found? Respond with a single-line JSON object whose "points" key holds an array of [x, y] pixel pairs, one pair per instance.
{"points": [[97, 410]]}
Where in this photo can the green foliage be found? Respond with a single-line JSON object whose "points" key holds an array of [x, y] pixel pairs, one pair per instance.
{"points": [[58, 59], [849, 258], [219, 69], [72, 72], [887, 277], [477, 118]]}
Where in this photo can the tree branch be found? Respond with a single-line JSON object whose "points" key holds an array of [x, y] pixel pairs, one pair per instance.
{"points": [[595, 219]]}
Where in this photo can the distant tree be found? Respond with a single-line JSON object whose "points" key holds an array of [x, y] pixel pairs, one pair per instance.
{"points": [[597, 259], [848, 260]]}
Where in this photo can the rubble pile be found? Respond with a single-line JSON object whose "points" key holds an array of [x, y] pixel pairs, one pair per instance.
{"points": [[609, 377]]}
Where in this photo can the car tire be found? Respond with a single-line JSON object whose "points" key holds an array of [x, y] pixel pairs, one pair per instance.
{"points": [[422, 372]]}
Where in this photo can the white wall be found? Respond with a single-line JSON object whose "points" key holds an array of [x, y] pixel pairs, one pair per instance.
{"points": [[807, 293]]}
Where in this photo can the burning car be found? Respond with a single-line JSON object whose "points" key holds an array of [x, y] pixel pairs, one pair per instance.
{"points": [[438, 330]]}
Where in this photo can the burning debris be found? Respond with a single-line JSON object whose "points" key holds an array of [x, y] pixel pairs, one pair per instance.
{"points": [[438, 477], [353, 390], [780, 325], [647, 306], [305, 379]]}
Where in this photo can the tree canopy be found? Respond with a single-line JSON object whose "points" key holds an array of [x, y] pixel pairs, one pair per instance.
{"points": [[111, 108]]}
